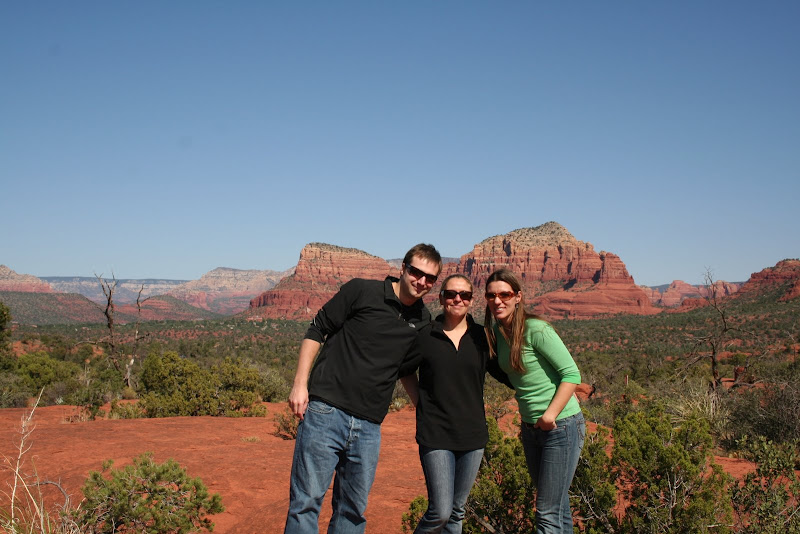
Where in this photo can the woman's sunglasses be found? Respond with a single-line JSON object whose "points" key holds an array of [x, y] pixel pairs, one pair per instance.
{"points": [[504, 296], [450, 294]]}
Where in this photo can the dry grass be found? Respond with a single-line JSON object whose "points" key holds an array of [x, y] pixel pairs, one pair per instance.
{"points": [[23, 503]]}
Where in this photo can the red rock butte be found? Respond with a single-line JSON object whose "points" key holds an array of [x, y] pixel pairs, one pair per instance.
{"points": [[320, 272], [562, 276]]}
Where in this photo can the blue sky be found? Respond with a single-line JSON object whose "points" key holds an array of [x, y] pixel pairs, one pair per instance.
{"points": [[164, 139]]}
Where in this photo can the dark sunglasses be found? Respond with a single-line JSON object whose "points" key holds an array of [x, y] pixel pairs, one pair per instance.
{"points": [[450, 294], [417, 274], [504, 296]]}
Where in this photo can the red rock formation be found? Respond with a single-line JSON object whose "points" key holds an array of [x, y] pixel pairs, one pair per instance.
{"points": [[25, 283], [227, 291], [784, 272], [679, 290], [320, 272], [562, 276], [652, 293]]}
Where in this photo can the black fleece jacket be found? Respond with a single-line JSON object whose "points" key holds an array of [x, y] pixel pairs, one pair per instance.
{"points": [[368, 335]]}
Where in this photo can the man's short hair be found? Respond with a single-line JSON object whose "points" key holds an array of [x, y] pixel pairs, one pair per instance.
{"points": [[425, 252]]}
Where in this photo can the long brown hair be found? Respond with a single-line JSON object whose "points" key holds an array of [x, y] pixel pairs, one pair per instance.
{"points": [[517, 321]]}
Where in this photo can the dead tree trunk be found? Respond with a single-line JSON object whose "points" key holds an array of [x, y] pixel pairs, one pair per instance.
{"points": [[108, 290]]}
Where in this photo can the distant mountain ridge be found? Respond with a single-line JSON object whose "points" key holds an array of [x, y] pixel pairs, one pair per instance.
{"points": [[227, 291], [126, 292], [563, 277], [672, 295]]}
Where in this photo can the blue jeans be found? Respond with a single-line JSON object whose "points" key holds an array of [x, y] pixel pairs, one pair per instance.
{"points": [[449, 476], [552, 457], [330, 440]]}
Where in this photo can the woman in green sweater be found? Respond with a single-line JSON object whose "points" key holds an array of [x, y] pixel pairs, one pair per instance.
{"points": [[544, 376]]}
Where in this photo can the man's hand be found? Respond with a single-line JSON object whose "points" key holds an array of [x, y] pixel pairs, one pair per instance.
{"points": [[298, 398], [298, 401]]}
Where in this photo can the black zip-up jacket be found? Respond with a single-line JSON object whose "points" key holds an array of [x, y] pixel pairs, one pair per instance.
{"points": [[368, 335], [450, 411]]}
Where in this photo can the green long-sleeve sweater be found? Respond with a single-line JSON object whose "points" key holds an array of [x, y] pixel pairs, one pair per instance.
{"points": [[547, 363]]}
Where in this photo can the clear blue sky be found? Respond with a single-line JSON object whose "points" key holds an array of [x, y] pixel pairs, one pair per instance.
{"points": [[164, 139]]}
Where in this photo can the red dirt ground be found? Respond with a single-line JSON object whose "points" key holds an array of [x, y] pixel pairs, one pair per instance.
{"points": [[239, 458]]}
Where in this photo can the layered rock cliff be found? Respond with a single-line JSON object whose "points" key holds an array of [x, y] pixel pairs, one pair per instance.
{"points": [[320, 272], [26, 283], [785, 272], [562, 276], [227, 291]]}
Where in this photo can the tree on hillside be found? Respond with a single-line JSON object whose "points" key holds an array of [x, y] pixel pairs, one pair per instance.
{"points": [[723, 329], [109, 288]]}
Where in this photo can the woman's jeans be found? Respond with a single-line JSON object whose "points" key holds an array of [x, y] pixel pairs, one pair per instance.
{"points": [[449, 476], [330, 440], [552, 458]]}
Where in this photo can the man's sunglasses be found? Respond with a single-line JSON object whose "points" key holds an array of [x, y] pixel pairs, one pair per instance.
{"points": [[450, 294], [504, 296], [417, 274]]}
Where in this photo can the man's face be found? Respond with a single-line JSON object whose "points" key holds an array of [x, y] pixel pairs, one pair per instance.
{"points": [[417, 279]]}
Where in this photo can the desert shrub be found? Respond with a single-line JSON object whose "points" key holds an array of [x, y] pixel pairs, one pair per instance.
{"points": [[593, 491], [273, 387], [695, 398], [286, 424], [661, 469], [125, 410], [771, 410], [416, 510], [146, 497], [238, 386], [13, 393], [38, 370], [496, 397], [598, 410], [667, 475], [176, 386], [100, 383], [503, 494], [766, 501]]}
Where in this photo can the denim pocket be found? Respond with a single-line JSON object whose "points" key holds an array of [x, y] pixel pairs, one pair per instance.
{"points": [[320, 407]]}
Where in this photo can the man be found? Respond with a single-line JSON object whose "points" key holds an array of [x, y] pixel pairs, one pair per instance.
{"points": [[368, 329]]}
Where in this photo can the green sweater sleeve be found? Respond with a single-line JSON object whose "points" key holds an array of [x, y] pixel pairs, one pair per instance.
{"points": [[546, 342]]}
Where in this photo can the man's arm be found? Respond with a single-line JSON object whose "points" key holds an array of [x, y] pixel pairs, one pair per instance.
{"points": [[411, 384], [298, 398]]}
